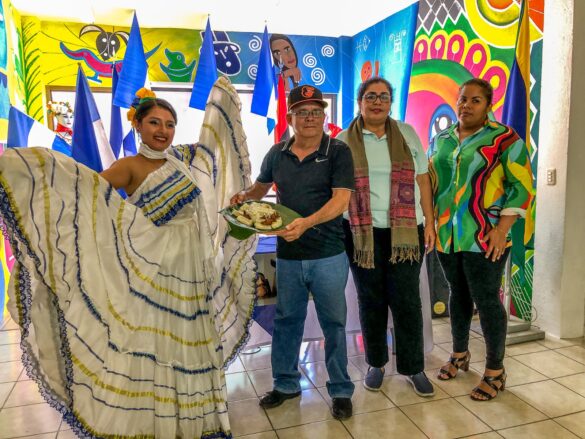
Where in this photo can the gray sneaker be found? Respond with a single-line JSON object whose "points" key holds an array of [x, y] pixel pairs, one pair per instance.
{"points": [[421, 384], [374, 378]]}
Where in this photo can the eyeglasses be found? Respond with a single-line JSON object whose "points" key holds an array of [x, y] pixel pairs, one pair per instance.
{"points": [[371, 98], [308, 113]]}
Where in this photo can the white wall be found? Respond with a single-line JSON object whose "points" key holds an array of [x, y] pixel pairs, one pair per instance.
{"points": [[559, 268]]}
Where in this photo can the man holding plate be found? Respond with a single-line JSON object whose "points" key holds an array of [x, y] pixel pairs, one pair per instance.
{"points": [[313, 174]]}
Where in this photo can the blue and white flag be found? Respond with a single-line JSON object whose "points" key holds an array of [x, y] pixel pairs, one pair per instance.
{"points": [[206, 74], [23, 130], [90, 144], [134, 68], [264, 96], [129, 143]]}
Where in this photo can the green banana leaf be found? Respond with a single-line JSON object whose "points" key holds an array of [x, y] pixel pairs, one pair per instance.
{"points": [[241, 231]]}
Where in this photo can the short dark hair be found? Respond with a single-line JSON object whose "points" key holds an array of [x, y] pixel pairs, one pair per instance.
{"points": [[148, 104], [373, 80], [488, 90]]}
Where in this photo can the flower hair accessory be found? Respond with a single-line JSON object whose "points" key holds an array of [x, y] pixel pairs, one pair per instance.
{"points": [[142, 95], [57, 108]]}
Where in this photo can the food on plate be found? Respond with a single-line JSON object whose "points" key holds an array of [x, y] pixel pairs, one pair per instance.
{"points": [[261, 216]]}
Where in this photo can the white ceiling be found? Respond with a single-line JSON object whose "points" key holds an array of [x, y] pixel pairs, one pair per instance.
{"points": [[300, 17]]}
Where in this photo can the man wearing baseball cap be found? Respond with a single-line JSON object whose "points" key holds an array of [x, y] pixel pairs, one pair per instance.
{"points": [[313, 174]]}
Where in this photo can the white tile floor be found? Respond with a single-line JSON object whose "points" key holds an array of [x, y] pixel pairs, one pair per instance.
{"points": [[544, 398]]}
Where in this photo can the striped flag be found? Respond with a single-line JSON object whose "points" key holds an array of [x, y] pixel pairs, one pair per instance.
{"points": [[25, 131], [90, 144], [264, 96], [281, 130], [516, 111]]}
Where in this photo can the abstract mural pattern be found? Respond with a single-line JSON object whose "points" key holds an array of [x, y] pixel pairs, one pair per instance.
{"points": [[172, 54], [455, 41]]}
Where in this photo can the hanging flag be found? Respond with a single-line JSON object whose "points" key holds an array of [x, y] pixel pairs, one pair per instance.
{"points": [[90, 144], [281, 129], [129, 143], [206, 74], [516, 111], [25, 131], [264, 96], [334, 130], [134, 68], [116, 130]]}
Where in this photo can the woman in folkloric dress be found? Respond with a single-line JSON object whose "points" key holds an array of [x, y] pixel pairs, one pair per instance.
{"points": [[131, 309]]}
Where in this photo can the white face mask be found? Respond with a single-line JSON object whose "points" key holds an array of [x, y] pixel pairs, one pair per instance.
{"points": [[65, 119]]}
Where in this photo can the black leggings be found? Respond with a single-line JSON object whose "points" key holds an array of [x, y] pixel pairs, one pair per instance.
{"points": [[394, 286], [474, 279]]}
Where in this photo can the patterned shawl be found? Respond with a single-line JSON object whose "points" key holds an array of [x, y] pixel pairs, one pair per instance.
{"points": [[402, 213]]}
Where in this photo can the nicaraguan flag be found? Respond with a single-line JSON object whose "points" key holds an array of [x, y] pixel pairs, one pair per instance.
{"points": [[264, 96], [90, 144], [134, 68], [206, 74], [23, 130]]}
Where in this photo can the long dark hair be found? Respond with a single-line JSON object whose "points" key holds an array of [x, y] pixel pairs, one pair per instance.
{"points": [[275, 37]]}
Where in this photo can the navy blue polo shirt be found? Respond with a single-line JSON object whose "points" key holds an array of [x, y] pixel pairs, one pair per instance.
{"points": [[305, 187]]}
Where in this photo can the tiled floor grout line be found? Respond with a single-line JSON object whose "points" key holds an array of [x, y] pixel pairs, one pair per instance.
{"points": [[313, 383], [8, 396], [570, 358], [408, 417]]}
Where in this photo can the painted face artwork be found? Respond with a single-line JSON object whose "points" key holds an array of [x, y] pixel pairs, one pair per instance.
{"points": [[282, 51], [65, 119]]}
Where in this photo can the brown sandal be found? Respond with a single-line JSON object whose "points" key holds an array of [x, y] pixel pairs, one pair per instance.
{"points": [[458, 363], [491, 381]]}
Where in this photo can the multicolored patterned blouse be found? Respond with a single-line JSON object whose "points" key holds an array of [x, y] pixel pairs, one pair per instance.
{"points": [[476, 181]]}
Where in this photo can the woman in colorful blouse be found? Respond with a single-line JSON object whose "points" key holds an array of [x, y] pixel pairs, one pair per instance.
{"points": [[384, 234], [482, 182]]}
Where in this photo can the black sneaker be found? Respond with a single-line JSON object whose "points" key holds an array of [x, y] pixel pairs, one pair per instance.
{"points": [[421, 384], [274, 398], [342, 408], [374, 378]]}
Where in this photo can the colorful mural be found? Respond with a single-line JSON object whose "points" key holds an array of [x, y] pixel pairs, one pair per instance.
{"points": [[385, 49], [455, 41], [4, 97], [172, 54], [34, 81]]}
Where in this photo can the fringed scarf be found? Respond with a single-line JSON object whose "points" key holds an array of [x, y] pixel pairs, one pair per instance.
{"points": [[402, 213]]}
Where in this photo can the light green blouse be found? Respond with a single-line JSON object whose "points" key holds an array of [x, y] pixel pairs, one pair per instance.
{"points": [[379, 170]]}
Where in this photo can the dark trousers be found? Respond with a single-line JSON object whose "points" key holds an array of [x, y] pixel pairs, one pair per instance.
{"points": [[394, 286], [474, 279]]}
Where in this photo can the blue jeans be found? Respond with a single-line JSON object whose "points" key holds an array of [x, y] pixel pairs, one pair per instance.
{"points": [[326, 279]]}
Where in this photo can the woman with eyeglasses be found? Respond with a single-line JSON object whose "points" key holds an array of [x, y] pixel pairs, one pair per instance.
{"points": [[384, 234]]}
